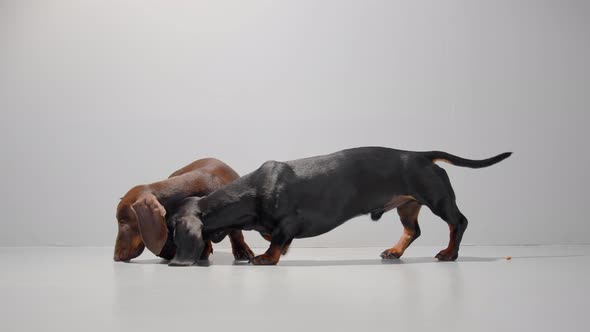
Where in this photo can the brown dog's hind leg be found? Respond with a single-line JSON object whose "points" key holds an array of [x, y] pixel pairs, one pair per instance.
{"points": [[408, 214], [239, 247]]}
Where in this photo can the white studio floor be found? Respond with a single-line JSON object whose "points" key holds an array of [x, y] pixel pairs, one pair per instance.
{"points": [[542, 288]]}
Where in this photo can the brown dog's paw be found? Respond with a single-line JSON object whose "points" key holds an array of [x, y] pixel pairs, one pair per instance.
{"points": [[243, 253], [264, 260], [154, 204], [391, 254], [446, 256]]}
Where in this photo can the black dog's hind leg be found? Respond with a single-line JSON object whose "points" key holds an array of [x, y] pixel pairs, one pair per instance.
{"points": [[408, 214], [442, 202], [457, 226]]}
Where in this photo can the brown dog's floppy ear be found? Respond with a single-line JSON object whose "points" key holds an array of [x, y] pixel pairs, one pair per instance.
{"points": [[152, 224]]}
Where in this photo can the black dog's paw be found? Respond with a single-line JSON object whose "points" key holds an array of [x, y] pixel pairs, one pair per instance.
{"points": [[264, 259], [391, 254], [243, 253], [446, 256]]}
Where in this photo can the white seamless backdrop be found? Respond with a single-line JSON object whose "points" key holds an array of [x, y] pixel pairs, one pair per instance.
{"points": [[97, 96]]}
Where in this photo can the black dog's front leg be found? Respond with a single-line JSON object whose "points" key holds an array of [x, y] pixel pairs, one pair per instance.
{"points": [[188, 239], [280, 240], [273, 253]]}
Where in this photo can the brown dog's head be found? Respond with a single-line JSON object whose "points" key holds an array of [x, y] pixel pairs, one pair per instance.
{"points": [[141, 223], [129, 243]]}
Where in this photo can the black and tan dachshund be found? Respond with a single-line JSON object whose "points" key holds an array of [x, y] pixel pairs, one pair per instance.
{"points": [[308, 197]]}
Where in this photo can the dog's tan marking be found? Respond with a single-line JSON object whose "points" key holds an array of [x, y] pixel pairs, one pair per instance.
{"points": [[207, 251], [270, 257], [285, 249], [442, 160], [447, 253], [397, 201], [403, 243], [408, 214], [267, 237]]}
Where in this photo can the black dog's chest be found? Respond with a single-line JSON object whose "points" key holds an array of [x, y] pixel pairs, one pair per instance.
{"points": [[260, 224]]}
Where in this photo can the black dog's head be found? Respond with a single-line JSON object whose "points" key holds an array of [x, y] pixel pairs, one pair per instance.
{"points": [[221, 211], [188, 233], [177, 237]]}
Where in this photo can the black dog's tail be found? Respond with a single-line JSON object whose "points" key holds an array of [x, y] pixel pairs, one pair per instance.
{"points": [[462, 162]]}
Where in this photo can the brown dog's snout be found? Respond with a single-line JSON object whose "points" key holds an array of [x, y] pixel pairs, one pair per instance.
{"points": [[128, 244], [127, 254]]}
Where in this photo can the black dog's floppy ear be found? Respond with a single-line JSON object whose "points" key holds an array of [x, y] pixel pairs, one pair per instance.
{"points": [[188, 238], [152, 224]]}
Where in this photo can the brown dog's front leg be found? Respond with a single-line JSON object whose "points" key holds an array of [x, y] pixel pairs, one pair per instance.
{"points": [[207, 251], [239, 247]]}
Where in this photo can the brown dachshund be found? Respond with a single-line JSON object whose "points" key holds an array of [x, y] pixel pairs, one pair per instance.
{"points": [[145, 206]]}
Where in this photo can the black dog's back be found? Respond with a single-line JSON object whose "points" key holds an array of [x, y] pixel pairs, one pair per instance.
{"points": [[325, 191]]}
